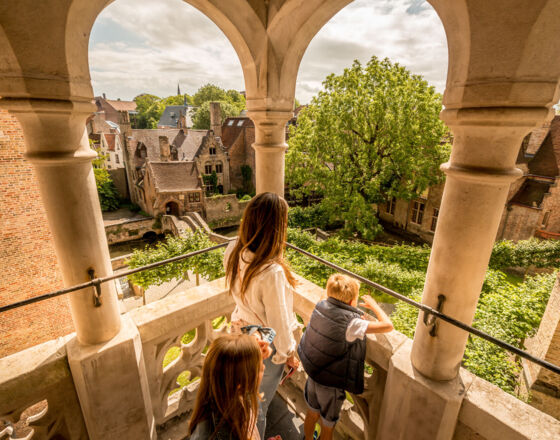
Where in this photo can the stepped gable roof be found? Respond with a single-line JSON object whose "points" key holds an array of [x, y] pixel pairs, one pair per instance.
{"points": [[531, 193], [171, 115], [546, 161], [110, 140], [122, 106], [174, 176]]}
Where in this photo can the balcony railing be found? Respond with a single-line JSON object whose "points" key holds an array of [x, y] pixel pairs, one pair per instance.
{"points": [[40, 375]]}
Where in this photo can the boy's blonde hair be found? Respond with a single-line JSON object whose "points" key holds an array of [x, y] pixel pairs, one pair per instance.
{"points": [[343, 288]]}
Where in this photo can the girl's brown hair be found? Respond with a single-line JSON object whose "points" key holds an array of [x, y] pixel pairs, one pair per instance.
{"points": [[263, 231], [229, 386]]}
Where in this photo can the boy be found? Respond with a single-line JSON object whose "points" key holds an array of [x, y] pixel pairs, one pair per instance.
{"points": [[333, 350]]}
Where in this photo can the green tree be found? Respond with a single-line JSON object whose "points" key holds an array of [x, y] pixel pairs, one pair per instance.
{"points": [[150, 108], [209, 92], [373, 133], [207, 265], [108, 194], [201, 118]]}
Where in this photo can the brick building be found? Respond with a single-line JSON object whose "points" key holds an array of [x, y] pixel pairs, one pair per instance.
{"points": [[533, 203], [173, 188], [177, 145], [28, 260], [238, 136], [533, 207]]}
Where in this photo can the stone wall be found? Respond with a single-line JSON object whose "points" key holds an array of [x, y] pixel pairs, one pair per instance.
{"points": [[544, 385], [119, 179], [518, 222], [131, 229], [551, 205], [401, 218], [242, 153], [224, 211], [27, 256]]}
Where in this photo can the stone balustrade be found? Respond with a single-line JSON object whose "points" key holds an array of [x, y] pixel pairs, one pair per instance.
{"points": [[37, 395], [41, 374]]}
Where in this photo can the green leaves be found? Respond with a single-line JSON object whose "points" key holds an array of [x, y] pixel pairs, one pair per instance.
{"points": [[373, 133], [231, 103], [511, 312], [208, 264]]}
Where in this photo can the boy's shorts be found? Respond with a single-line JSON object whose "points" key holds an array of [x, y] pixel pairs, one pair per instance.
{"points": [[327, 401]]}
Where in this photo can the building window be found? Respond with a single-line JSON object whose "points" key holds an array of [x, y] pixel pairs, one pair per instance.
{"points": [[219, 167], [240, 123], [208, 169], [417, 212], [212, 151], [390, 207], [230, 122], [545, 219], [194, 197], [117, 158], [434, 220]]}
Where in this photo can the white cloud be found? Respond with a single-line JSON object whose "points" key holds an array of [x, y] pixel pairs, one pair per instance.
{"points": [[146, 46], [406, 31]]}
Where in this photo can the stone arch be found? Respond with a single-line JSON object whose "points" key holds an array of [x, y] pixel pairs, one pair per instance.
{"points": [[172, 208]]}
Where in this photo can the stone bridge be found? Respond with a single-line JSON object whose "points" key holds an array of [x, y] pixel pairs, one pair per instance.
{"points": [[126, 230]]}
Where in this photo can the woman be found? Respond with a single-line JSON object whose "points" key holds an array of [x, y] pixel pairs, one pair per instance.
{"points": [[227, 402], [262, 286]]}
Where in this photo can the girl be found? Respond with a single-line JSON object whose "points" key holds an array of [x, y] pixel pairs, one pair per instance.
{"points": [[262, 286], [227, 402]]}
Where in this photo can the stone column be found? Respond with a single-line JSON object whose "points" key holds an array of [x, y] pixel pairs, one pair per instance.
{"points": [[270, 149], [58, 147], [105, 357], [479, 173]]}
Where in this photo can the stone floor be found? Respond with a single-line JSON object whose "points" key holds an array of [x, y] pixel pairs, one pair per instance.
{"points": [[282, 421]]}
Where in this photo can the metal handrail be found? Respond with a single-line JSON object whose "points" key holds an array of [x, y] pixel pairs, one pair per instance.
{"points": [[428, 311]]}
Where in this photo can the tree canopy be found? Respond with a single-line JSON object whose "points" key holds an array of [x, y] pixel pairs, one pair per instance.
{"points": [[201, 118], [231, 102], [373, 133], [151, 107]]}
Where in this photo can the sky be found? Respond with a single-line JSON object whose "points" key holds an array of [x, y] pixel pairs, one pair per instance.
{"points": [[149, 46]]}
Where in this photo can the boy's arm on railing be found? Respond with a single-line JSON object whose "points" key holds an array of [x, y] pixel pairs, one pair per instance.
{"points": [[383, 324]]}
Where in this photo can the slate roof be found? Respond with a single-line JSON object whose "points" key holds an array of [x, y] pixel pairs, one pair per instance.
{"points": [[171, 115], [174, 176]]}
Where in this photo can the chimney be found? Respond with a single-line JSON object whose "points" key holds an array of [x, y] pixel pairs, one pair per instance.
{"points": [[164, 148], [216, 118]]}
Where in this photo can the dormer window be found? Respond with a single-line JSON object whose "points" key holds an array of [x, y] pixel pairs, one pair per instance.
{"points": [[230, 123], [240, 123], [212, 151]]}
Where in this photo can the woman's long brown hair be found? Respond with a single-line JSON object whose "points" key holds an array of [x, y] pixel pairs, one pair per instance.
{"points": [[263, 231], [229, 386]]}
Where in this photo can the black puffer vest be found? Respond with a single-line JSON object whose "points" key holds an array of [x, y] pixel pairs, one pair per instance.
{"points": [[324, 352]]}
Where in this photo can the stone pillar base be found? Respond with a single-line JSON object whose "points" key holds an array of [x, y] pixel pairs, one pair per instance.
{"points": [[415, 407], [112, 386]]}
